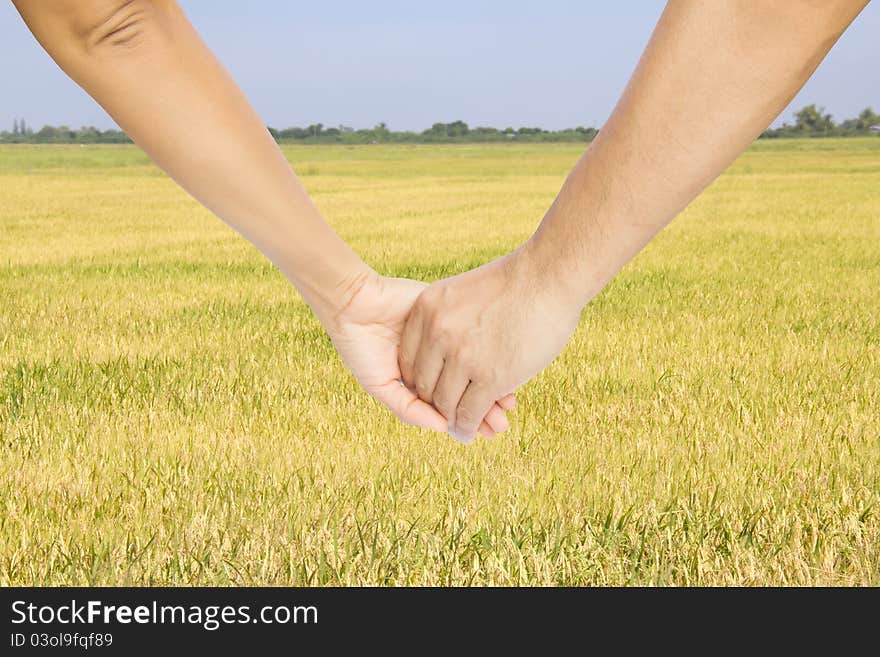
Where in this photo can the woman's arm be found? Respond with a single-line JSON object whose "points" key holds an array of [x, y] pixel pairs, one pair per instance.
{"points": [[713, 76], [147, 66]]}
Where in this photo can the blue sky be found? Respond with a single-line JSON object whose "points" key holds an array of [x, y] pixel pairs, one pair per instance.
{"points": [[553, 64]]}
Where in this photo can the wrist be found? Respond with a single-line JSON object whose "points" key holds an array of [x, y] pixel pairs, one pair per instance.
{"points": [[331, 292], [572, 281], [344, 294]]}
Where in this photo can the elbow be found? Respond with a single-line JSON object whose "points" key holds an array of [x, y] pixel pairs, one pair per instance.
{"points": [[117, 27]]}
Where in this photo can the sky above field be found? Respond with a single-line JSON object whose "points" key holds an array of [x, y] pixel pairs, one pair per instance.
{"points": [[553, 64]]}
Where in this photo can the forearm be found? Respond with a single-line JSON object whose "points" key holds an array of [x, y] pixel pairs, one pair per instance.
{"points": [[146, 65], [713, 77]]}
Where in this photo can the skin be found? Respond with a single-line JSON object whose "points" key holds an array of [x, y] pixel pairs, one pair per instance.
{"points": [[712, 78], [147, 66]]}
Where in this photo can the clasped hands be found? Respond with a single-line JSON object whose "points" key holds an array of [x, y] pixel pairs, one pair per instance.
{"points": [[448, 356]]}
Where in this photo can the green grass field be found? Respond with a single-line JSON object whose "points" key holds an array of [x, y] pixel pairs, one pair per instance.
{"points": [[171, 413]]}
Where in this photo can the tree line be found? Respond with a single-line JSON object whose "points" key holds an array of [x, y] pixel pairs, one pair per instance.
{"points": [[810, 121], [455, 132], [22, 133]]}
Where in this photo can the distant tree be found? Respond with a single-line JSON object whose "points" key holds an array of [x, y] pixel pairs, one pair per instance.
{"points": [[50, 134], [457, 129], [437, 130], [867, 119], [381, 132], [813, 119]]}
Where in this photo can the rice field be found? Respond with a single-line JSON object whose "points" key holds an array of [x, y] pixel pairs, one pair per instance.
{"points": [[172, 414]]}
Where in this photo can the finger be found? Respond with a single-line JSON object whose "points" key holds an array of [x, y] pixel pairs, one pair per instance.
{"points": [[473, 406], [486, 430], [507, 402], [496, 419], [409, 347], [450, 387], [427, 369], [410, 409]]}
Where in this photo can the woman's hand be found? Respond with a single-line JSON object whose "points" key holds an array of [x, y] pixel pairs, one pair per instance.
{"points": [[367, 332]]}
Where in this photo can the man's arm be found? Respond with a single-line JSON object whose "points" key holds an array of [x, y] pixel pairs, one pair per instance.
{"points": [[713, 76], [147, 66]]}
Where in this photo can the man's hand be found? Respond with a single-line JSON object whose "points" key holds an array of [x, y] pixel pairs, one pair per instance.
{"points": [[476, 337], [367, 335]]}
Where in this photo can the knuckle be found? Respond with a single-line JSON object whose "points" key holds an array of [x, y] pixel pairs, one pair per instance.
{"points": [[468, 360], [422, 388], [442, 404], [464, 418], [440, 328], [482, 373]]}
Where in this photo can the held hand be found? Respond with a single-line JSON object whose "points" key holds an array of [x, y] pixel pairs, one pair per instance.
{"points": [[367, 335], [473, 338]]}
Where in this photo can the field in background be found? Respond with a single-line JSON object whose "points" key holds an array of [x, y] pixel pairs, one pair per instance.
{"points": [[170, 412]]}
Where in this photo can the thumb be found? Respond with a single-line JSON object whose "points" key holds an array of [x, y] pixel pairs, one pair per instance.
{"points": [[408, 408]]}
